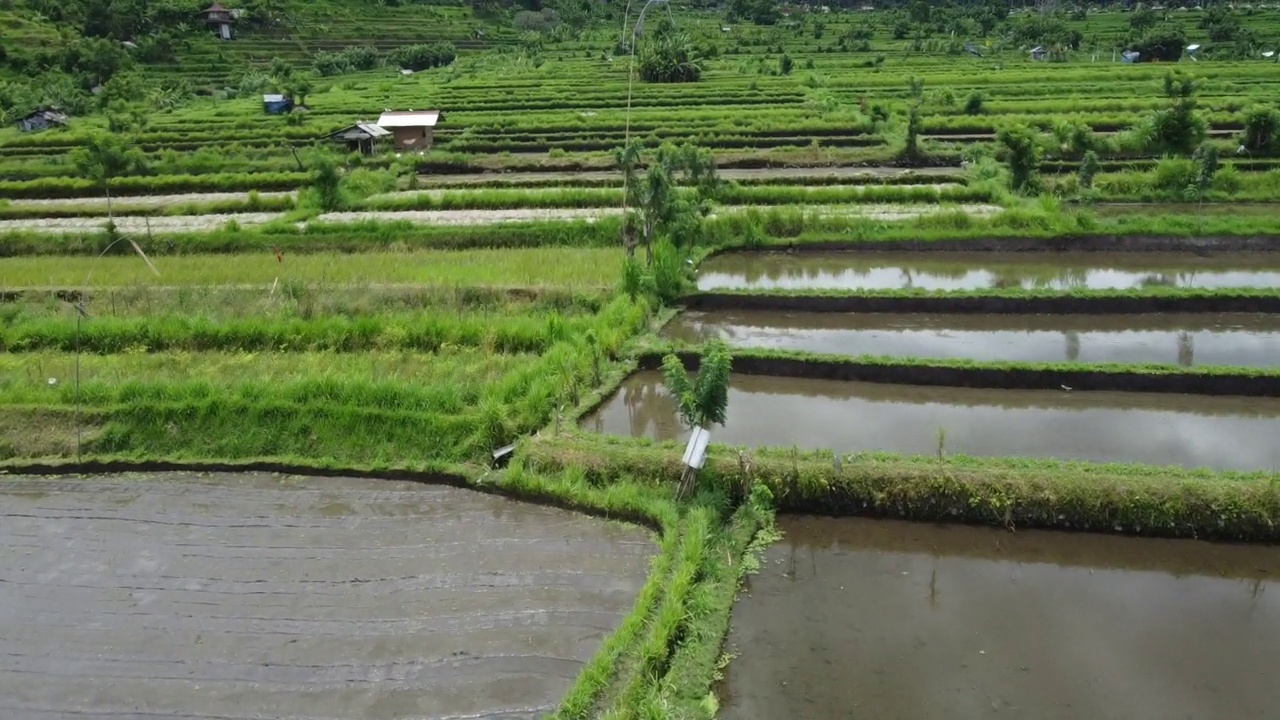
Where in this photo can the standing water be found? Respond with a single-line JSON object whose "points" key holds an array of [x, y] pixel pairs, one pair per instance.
{"points": [[1243, 340], [942, 270], [1234, 433], [856, 618], [237, 596]]}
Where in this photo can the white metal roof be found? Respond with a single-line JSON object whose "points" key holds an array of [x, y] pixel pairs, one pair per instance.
{"points": [[409, 118], [359, 130], [272, 98]]}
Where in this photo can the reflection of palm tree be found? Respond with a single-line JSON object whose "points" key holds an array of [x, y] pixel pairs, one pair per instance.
{"points": [[1073, 345], [1186, 349], [1157, 280], [633, 397], [1005, 278], [910, 282], [648, 403], [1073, 277]]}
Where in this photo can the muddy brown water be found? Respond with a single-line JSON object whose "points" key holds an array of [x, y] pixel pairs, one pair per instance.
{"points": [[1235, 433], [886, 620], [258, 596], [1245, 340], [979, 271]]}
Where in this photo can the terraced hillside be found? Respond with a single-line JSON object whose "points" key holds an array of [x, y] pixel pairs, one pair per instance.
{"points": [[908, 279]]}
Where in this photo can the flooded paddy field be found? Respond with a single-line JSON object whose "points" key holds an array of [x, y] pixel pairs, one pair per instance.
{"points": [[239, 596], [1245, 340], [944, 270], [858, 618], [1233, 433]]}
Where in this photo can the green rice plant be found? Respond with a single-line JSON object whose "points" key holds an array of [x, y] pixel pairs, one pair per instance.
{"points": [[525, 267]]}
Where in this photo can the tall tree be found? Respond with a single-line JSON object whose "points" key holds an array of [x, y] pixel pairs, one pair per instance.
{"points": [[104, 157]]}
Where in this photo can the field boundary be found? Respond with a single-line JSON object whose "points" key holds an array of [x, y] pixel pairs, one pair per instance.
{"points": [[1056, 495], [994, 375], [461, 477], [1112, 242]]}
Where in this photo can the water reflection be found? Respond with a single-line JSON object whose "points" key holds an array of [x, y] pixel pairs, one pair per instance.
{"points": [[1185, 340], [1192, 431], [975, 271], [880, 619]]}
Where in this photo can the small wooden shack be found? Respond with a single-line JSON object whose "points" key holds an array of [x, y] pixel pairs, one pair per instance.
{"points": [[219, 20], [413, 129], [42, 119], [1039, 53], [361, 137]]}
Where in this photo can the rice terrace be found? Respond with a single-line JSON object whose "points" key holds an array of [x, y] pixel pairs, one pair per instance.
{"points": [[663, 359]]}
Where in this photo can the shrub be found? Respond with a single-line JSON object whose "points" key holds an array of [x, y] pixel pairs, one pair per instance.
{"points": [[349, 59], [668, 272], [1162, 43], [973, 103], [1088, 169], [422, 56], [1228, 180], [541, 21], [1022, 154], [1173, 174], [1261, 129], [667, 57]]}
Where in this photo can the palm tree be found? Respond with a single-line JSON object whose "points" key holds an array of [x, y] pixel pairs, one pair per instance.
{"points": [[701, 401]]}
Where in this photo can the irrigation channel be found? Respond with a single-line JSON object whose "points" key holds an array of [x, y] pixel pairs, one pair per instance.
{"points": [[857, 618], [1241, 340], [945, 270], [208, 596], [1231, 433]]}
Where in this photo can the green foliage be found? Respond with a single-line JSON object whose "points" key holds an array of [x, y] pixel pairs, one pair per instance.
{"points": [[1205, 162], [347, 60], [667, 56], [94, 60], [1179, 128], [1261, 130], [1022, 154], [785, 63], [1163, 43], [1142, 19], [1088, 169], [1228, 180], [658, 208], [911, 134], [1173, 174], [1049, 31], [105, 156], [704, 400], [670, 272], [1074, 137], [632, 278], [973, 103], [423, 56], [326, 179]]}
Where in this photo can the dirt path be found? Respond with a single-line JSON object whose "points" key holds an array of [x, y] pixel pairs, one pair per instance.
{"points": [[255, 596], [201, 223], [162, 224], [487, 217], [148, 201]]}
